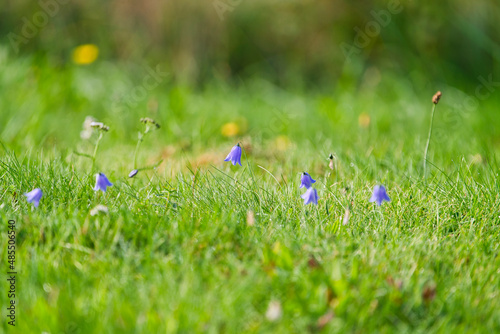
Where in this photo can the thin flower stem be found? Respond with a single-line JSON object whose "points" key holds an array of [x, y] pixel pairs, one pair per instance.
{"points": [[253, 178], [139, 141], [428, 141], [95, 150]]}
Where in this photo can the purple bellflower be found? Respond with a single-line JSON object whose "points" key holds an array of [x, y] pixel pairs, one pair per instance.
{"points": [[102, 182], [310, 196], [133, 173], [306, 180], [379, 195], [34, 196], [235, 155]]}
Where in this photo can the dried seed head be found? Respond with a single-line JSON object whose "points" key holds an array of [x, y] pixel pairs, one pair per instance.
{"points": [[331, 164], [436, 97], [147, 120], [96, 124], [100, 126]]}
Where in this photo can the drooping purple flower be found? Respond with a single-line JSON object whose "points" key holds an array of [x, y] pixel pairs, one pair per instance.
{"points": [[102, 182], [310, 196], [133, 173], [306, 180], [235, 155], [34, 196], [379, 195]]}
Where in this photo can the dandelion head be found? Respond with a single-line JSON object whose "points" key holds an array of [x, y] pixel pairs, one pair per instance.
{"points": [[85, 54]]}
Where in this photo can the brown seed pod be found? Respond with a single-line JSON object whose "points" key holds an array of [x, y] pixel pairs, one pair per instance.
{"points": [[436, 97]]}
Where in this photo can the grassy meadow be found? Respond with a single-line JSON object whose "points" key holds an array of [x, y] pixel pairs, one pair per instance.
{"points": [[197, 245]]}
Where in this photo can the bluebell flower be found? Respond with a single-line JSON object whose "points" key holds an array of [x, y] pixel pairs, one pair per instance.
{"points": [[306, 180], [310, 196], [102, 182], [235, 155], [379, 195], [133, 173], [34, 196]]}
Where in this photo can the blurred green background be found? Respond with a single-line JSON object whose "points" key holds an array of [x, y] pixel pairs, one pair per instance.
{"points": [[334, 59], [288, 42]]}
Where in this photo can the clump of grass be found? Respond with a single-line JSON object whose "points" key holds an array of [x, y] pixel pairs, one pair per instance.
{"points": [[198, 251]]}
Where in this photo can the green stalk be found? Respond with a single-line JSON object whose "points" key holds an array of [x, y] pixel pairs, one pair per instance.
{"points": [[95, 150], [139, 141], [428, 141], [253, 179]]}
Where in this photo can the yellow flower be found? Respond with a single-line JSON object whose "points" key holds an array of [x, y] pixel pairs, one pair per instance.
{"points": [[85, 54], [230, 129], [364, 120], [282, 143]]}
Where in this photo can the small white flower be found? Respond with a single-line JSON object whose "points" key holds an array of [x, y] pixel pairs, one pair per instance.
{"points": [[98, 209], [99, 125], [274, 311], [87, 127]]}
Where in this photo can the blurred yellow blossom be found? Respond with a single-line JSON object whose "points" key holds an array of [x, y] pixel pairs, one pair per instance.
{"points": [[230, 129], [282, 143], [85, 54], [364, 120]]}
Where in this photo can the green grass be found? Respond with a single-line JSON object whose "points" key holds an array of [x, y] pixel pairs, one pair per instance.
{"points": [[175, 252]]}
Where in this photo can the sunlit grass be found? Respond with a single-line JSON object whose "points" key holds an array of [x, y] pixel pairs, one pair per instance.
{"points": [[176, 252]]}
